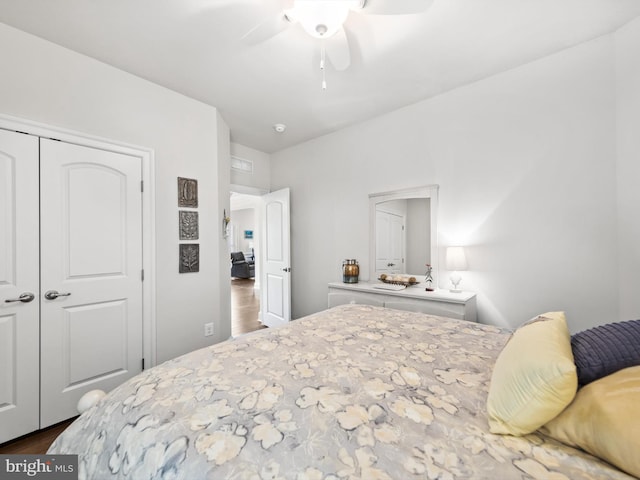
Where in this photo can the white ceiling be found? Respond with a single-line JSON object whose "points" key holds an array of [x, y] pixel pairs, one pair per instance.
{"points": [[195, 47]]}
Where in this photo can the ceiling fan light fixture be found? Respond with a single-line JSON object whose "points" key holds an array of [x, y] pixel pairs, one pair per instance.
{"points": [[322, 18]]}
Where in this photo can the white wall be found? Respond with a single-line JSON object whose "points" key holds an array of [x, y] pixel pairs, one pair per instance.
{"points": [[222, 298], [241, 220], [628, 126], [49, 84], [526, 163], [261, 177]]}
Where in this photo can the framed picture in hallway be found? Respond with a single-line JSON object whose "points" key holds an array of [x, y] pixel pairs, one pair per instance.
{"points": [[189, 258], [187, 192], [188, 222]]}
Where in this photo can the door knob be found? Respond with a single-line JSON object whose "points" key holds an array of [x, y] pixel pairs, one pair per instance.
{"points": [[53, 294], [24, 298]]}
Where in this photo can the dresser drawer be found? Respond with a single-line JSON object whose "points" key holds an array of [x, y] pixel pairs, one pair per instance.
{"points": [[452, 310], [461, 306], [344, 297]]}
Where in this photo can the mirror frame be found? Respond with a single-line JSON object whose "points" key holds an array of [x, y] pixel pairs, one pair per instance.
{"points": [[427, 191]]}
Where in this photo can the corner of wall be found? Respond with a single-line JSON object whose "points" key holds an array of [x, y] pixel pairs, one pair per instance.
{"points": [[224, 181], [627, 70]]}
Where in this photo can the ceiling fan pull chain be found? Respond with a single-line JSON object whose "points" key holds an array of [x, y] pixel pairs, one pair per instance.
{"points": [[322, 57]]}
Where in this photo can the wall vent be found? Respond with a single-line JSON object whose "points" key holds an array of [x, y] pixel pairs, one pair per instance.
{"points": [[241, 165]]}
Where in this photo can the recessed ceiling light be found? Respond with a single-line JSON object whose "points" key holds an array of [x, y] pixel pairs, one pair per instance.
{"points": [[280, 127]]}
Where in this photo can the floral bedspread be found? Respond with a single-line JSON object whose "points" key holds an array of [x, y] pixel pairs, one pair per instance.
{"points": [[355, 392]]}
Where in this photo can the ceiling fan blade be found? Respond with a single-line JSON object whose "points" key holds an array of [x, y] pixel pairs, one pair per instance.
{"points": [[268, 28], [337, 50], [395, 7]]}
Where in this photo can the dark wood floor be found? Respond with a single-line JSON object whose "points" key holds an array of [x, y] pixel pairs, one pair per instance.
{"points": [[245, 305], [36, 443]]}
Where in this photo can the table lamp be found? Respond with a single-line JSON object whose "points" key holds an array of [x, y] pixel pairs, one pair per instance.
{"points": [[456, 262]]}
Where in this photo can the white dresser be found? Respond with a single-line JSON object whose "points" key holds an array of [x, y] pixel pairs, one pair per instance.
{"points": [[440, 302]]}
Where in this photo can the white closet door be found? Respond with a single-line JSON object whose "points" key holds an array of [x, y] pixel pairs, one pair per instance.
{"points": [[389, 242], [19, 271], [91, 254], [275, 301]]}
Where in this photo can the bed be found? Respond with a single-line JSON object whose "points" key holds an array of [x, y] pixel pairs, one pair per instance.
{"points": [[354, 392]]}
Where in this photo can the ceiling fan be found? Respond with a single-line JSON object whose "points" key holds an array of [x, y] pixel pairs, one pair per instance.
{"points": [[324, 20]]}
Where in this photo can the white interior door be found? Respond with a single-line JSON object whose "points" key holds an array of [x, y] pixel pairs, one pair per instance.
{"points": [[91, 255], [19, 272], [275, 302], [389, 242]]}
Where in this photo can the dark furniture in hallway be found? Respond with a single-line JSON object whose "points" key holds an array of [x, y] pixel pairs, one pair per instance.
{"points": [[241, 267]]}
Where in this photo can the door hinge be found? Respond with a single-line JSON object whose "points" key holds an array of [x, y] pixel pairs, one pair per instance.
{"points": [[142, 274], [143, 363], [142, 185]]}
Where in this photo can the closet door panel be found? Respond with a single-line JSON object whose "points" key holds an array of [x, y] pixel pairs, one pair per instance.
{"points": [[91, 212], [19, 272]]}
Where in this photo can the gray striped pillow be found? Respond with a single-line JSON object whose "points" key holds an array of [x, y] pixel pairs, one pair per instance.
{"points": [[603, 350]]}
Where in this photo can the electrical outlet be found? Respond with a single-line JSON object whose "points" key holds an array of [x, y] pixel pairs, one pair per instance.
{"points": [[208, 329]]}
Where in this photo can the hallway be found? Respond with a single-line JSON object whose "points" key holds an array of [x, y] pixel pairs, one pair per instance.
{"points": [[245, 305]]}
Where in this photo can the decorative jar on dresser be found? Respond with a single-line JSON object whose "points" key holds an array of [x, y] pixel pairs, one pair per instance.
{"points": [[439, 302]]}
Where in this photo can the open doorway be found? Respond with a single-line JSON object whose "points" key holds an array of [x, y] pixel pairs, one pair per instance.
{"points": [[244, 254]]}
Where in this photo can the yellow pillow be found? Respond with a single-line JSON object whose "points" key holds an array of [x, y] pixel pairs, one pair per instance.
{"points": [[604, 420], [534, 377]]}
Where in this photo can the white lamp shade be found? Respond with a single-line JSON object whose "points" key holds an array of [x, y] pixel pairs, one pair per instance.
{"points": [[456, 259]]}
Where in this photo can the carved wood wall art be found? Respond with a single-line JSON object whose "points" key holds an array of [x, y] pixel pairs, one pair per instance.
{"points": [[189, 228], [187, 192], [189, 257]]}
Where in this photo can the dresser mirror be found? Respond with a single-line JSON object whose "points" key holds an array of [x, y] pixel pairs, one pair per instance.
{"points": [[403, 232]]}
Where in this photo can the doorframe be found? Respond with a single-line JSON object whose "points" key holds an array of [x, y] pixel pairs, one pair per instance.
{"points": [[146, 156], [255, 192]]}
